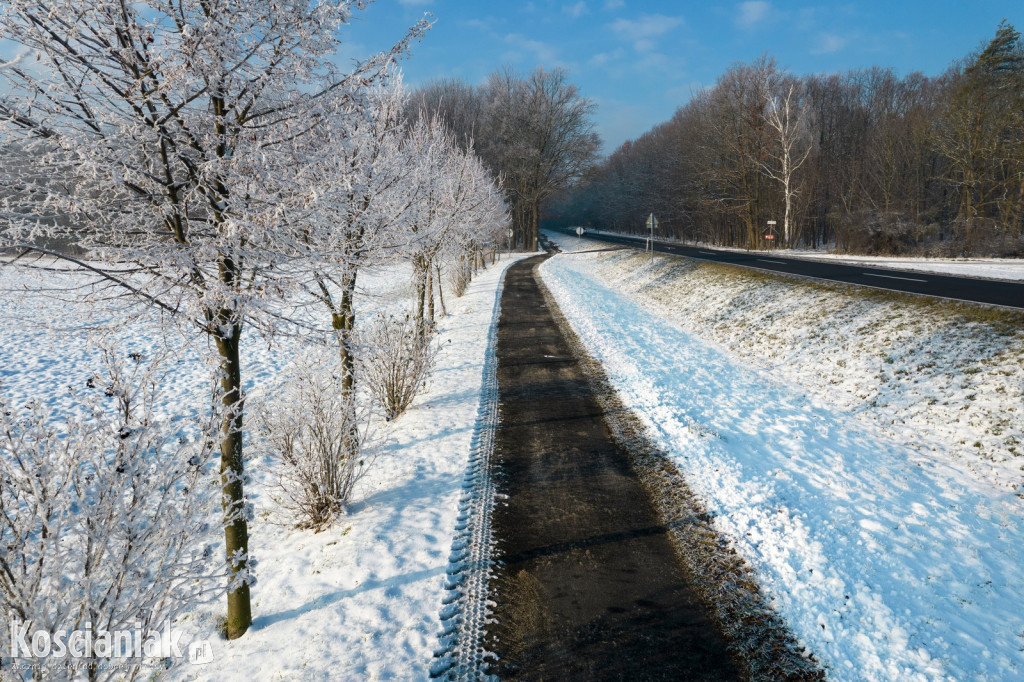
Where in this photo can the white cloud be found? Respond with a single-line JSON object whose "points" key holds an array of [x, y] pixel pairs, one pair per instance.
{"points": [[478, 24], [575, 11], [603, 59], [828, 43], [543, 53], [753, 13], [614, 4], [643, 31], [653, 62]]}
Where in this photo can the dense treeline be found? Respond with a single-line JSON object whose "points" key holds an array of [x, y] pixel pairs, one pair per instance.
{"points": [[534, 133], [866, 160]]}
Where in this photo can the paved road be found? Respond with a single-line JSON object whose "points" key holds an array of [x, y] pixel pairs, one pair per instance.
{"points": [[588, 587], [994, 292]]}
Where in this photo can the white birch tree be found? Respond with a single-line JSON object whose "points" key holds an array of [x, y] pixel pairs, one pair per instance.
{"points": [[788, 119]]}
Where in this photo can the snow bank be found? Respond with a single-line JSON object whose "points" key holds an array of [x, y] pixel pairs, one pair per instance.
{"points": [[833, 437]]}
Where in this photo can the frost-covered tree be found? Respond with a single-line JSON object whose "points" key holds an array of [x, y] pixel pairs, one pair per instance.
{"points": [[534, 134], [150, 127], [357, 196], [455, 195]]}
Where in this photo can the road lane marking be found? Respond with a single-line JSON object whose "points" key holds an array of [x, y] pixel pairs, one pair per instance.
{"points": [[777, 262], [906, 279], [708, 253]]}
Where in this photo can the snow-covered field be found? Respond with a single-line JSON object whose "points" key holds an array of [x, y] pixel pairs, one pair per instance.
{"points": [[862, 454], [362, 599]]}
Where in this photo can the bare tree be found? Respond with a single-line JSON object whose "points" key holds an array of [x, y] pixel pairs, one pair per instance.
{"points": [[981, 132], [539, 135]]}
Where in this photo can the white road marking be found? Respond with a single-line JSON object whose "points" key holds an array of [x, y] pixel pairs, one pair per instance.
{"points": [[907, 279], [777, 262]]}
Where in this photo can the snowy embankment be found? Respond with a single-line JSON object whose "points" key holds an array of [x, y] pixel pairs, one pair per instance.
{"points": [[363, 599], [859, 452]]}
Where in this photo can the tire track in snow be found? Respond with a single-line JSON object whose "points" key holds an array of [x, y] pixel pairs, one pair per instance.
{"points": [[466, 609]]}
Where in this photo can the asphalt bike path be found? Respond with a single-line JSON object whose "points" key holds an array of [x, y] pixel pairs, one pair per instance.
{"points": [[588, 586]]}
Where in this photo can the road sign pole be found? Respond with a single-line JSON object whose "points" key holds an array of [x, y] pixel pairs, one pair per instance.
{"points": [[652, 223]]}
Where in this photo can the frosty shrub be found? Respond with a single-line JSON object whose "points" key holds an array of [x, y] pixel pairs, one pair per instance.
{"points": [[396, 358], [104, 517], [318, 435], [461, 275]]}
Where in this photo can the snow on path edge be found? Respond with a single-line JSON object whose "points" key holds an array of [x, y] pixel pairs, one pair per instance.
{"points": [[466, 609]]}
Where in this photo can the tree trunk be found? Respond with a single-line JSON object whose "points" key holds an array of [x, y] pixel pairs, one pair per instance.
{"points": [[429, 275], [421, 290], [531, 239], [440, 290], [232, 469], [785, 220], [343, 321]]}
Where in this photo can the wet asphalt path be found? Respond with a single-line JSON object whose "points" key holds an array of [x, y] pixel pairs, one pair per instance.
{"points": [[589, 587]]}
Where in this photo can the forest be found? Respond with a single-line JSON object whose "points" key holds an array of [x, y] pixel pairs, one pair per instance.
{"points": [[866, 161]]}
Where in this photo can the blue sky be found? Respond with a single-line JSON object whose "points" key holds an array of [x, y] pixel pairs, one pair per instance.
{"points": [[639, 61]]}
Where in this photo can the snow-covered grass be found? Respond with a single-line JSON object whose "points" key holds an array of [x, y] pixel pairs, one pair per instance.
{"points": [[940, 376], [988, 268], [860, 449], [360, 600]]}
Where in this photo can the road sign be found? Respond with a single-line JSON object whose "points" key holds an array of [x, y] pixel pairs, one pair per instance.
{"points": [[769, 236], [579, 231]]}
